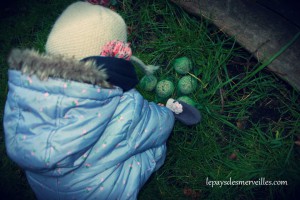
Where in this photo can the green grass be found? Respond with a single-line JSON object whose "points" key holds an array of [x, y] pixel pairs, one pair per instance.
{"points": [[246, 109]]}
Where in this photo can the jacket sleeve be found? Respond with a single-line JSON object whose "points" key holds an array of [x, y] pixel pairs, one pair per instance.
{"points": [[151, 125]]}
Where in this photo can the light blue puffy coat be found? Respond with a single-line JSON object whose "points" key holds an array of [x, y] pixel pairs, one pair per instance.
{"points": [[79, 141]]}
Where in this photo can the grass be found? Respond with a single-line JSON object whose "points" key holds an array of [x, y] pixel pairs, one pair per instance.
{"points": [[251, 118]]}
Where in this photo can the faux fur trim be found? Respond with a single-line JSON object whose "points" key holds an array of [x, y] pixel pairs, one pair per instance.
{"points": [[56, 66]]}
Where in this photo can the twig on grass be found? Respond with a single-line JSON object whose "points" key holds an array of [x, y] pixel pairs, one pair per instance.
{"points": [[221, 94]]}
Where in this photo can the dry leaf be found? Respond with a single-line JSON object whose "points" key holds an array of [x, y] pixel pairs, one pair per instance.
{"points": [[191, 193], [187, 191], [241, 124], [233, 156]]}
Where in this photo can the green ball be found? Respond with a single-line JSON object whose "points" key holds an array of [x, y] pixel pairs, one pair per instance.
{"points": [[187, 84], [148, 82], [187, 100], [182, 65], [164, 88]]}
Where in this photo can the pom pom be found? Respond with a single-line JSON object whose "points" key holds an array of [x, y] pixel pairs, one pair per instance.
{"points": [[118, 49], [175, 106], [164, 88], [187, 84], [182, 65], [148, 82]]}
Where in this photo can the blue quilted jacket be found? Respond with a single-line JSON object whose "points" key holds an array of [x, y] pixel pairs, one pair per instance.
{"points": [[77, 140]]}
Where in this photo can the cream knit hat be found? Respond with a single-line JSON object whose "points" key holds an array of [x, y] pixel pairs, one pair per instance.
{"points": [[83, 29]]}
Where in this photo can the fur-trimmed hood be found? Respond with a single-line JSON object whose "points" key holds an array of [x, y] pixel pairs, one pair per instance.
{"points": [[46, 66]]}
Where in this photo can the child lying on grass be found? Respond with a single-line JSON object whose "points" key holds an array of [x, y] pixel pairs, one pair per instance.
{"points": [[73, 120]]}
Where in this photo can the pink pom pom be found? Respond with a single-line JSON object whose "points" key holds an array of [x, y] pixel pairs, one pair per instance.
{"points": [[117, 49]]}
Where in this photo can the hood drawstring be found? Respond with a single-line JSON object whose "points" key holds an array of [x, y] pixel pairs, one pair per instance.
{"points": [[121, 49], [148, 69]]}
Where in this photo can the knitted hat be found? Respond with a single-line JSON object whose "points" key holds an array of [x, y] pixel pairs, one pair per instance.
{"points": [[83, 29]]}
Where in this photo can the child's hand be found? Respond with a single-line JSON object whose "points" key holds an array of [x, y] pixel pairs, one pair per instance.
{"points": [[160, 104]]}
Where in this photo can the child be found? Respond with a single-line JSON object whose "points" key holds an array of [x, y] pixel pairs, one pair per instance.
{"points": [[73, 120]]}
